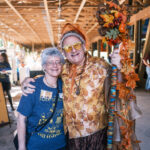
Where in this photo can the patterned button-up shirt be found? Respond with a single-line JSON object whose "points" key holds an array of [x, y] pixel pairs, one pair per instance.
{"points": [[86, 113]]}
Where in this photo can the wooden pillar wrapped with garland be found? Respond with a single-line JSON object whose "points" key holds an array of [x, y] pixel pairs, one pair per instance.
{"points": [[113, 21]]}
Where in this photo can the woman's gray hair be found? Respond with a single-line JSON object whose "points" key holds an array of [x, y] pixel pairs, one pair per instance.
{"points": [[51, 51]]}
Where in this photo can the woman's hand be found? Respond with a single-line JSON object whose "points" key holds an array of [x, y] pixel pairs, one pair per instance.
{"points": [[26, 87]]}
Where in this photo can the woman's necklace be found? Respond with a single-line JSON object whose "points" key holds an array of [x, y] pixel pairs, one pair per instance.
{"points": [[50, 85]]}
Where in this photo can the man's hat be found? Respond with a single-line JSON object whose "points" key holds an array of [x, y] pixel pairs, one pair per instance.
{"points": [[72, 30]]}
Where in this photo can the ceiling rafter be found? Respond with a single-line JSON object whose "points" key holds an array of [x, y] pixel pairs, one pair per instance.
{"points": [[121, 2], [51, 36], [95, 25], [143, 14], [79, 10], [140, 2], [50, 6], [20, 16], [16, 32]]}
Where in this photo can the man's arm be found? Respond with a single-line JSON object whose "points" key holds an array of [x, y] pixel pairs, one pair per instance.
{"points": [[26, 87], [21, 128]]}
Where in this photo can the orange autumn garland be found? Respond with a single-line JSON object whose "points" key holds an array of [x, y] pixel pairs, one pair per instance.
{"points": [[113, 23], [126, 94]]}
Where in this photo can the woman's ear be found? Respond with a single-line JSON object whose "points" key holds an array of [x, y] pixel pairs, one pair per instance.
{"points": [[43, 68]]}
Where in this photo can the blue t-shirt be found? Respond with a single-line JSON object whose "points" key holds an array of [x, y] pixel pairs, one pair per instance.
{"points": [[37, 107]]}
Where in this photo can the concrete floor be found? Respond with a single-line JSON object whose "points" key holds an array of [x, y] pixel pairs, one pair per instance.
{"points": [[142, 124]]}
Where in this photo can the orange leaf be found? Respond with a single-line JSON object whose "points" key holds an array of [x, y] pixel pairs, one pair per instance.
{"points": [[107, 18], [122, 27], [111, 4], [131, 80]]}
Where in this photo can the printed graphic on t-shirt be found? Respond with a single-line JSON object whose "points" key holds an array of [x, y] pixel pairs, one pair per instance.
{"points": [[45, 95], [54, 127]]}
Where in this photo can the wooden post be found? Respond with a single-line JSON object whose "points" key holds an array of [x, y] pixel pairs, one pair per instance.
{"points": [[3, 109], [32, 47], [146, 2], [98, 47], [137, 36], [146, 49]]}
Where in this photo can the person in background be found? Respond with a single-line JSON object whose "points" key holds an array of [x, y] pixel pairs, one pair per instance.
{"points": [[4, 77], [36, 108], [146, 62]]}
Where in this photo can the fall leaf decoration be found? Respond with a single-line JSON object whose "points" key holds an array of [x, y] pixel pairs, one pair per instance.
{"points": [[113, 21], [124, 91], [126, 133], [108, 19], [112, 34], [122, 28], [126, 95], [112, 18], [111, 4], [132, 77]]}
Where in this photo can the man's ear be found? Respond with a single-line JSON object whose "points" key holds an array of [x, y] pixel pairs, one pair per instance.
{"points": [[64, 53], [84, 47]]}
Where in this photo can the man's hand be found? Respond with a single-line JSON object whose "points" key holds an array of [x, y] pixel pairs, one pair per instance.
{"points": [[26, 87]]}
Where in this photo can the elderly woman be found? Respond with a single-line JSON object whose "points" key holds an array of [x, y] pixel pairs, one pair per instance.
{"points": [[41, 113]]}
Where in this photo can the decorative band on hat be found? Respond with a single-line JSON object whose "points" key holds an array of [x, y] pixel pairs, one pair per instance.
{"points": [[71, 33]]}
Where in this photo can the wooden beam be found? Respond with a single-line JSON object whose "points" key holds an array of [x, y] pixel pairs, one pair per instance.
{"points": [[143, 14], [121, 1], [79, 10], [140, 2], [20, 16], [35, 7], [93, 37], [92, 28], [49, 27], [137, 42], [16, 32], [6, 37]]}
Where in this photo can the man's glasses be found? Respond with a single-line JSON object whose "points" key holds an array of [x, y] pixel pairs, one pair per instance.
{"points": [[76, 46], [52, 63]]}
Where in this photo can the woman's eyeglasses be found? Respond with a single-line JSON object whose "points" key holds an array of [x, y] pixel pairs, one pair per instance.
{"points": [[76, 46], [51, 63]]}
